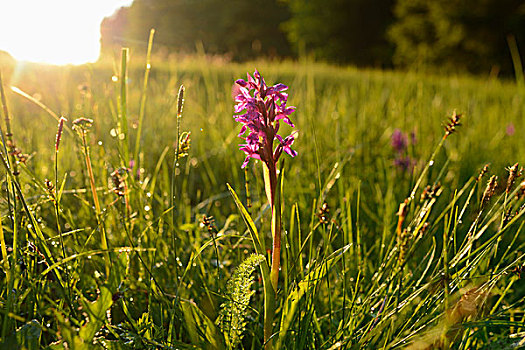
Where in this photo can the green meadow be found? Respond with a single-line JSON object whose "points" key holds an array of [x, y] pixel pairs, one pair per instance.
{"points": [[126, 238]]}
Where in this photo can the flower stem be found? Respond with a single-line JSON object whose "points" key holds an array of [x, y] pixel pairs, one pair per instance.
{"points": [[271, 183]]}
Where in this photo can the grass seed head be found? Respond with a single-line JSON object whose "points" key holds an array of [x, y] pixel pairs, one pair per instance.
{"points": [[209, 223], [118, 178], [453, 123], [59, 132], [482, 172], [180, 101], [82, 125], [431, 192], [50, 188], [324, 214], [489, 190], [514, 173]]}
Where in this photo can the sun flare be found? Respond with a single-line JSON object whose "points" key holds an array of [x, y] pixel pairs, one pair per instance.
{"points": [[54, 31]]}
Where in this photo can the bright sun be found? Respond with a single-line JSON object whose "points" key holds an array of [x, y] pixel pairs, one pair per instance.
{"points": [[54, 31]]}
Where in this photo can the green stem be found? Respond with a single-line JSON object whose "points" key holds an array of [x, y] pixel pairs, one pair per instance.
{"points": [[274, 197], [124, 106], [269, 313], [143, 99], [104, 242]]}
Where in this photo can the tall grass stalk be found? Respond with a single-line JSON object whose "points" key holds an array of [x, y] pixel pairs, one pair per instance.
{"points": [[142, 110], [123, 136], [82, 126]]}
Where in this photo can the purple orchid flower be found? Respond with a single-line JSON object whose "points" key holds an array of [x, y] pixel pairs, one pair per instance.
{"points": [[263, 107], [399, 141]]}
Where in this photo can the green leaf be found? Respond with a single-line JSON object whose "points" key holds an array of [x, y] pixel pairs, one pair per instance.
{"points": [[258, 245], [97, 314], [310, 282], [200, 328]]}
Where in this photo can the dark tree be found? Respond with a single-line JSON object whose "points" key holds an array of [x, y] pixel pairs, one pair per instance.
{"points": [[345, 31], [240, 28], [457, 34]]}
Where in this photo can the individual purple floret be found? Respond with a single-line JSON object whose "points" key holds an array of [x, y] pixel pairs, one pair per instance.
{"points": [[264, 107], [399, 141]]}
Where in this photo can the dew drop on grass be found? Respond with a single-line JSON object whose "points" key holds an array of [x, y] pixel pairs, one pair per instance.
{"points": [[114, 78], [89, 256], [201, 129], [100, 143], [147, 208], [113, 132], [431, 163], [148, 194]]}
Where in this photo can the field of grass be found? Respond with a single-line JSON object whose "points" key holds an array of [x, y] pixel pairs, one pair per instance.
{"points": [[117, 249]]}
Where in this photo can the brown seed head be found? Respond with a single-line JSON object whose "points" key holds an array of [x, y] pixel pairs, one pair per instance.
{"points": [[483, 172], [59, 132], [50, 189], [513, 174], [489, 190], [431, 191], [118, 178], [324, 214], [209, 223], [453, 122], [180, 101]]}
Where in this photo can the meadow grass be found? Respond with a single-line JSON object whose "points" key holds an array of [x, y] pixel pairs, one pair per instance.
{"points": [[137, 245]]}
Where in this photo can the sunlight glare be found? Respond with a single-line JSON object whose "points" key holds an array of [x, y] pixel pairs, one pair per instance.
{"points": [[54, 31]]}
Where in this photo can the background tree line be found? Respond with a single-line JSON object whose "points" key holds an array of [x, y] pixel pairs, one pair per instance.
{"points": [[471, 35]]}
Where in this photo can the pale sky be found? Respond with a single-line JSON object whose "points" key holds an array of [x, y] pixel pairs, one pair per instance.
{"points": [[54, 31]]}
